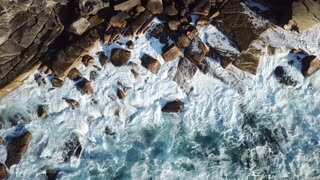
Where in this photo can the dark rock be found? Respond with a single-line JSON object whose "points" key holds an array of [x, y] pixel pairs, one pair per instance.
{"points": [[142, 23], [155, 6], [202, 8], [40, 80], [84, 87], [52, 174], [185, 72], [93, 75], [170, 10], [87, 60], [173, 107], [74, 74], [119, 20], [56, 82], [150, 63], [91, 7], [17, 147], [130, 45], [109, 131], [183, 41], [247, 62], [103, 59], [192, 32], [72, 147], [283, 78], [72, 103], [3, 171], [42, 112], [196, 51], [121, 94], [310, 65], [171, 53], [120, 57], [112, 35], [173, 25]]}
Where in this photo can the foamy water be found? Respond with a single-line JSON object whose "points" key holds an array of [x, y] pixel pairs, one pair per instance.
{"points": [[268, 131]]}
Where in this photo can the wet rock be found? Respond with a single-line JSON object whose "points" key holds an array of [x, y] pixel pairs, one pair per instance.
{"points": [[183, 41], [108, 131], [72, 147], [173, 25], [310, 65], [17, 147], [202, 8], [153, 65], [192, 33], [52, 174], [170, 10], [155, 6], [84, 87], [103, 59], [203, 21], [93, 75], [247, 62], [135, 73], [142, 23], [119, 20], [130, 45], [157, 31], [87, 60], [125, 5], [74, 74], [121, 94], [91, 7], [42, 111], [80, 26], [120, 57], [185, 72], [173, 107], [196, 51], [112, 35], [56, 82], [1, 141], [283, 78], [3, 171], [72, 103], [171, 53], [40, 80]]}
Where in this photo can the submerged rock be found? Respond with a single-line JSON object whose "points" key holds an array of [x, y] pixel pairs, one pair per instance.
{"points": [[72, 147], [52, 174], [73, 103], [42, 112], [120, 57], [17, 147], [283, 78], [3, 171], [173, 107], [108, 131]]}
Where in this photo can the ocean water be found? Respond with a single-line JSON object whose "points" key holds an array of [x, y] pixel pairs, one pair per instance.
{"points": [[234, 125]]}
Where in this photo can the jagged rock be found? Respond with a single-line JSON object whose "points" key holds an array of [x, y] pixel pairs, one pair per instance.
{"points": [[74, 74], [52, 174], [142, 23], [305, 13], [157, 31], [140, 9], [283, 78], [171, 53], [87, 60], [173, 25], [130, 45], [120, 57], [150, 63], [310, 65], [42, 112], [112, 35], [121, 94], [56, 82], [80, 26], [173, 107], [202, 8], [45, 70], [93, 75], [185, 72], [17, 147], [192, 33], [103, 59], [91, 7], [3, 171], [196, 51], [72, 147], [72, 103], [119, 20], [247, 62], [125, 5], [84, 86], [183, 41], [155, 6]]}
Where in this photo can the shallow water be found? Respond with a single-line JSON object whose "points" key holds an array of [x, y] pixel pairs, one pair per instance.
{"points": [[268, 131]]}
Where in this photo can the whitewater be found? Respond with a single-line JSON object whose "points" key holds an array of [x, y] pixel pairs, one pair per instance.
{"points": [[234, 125]]}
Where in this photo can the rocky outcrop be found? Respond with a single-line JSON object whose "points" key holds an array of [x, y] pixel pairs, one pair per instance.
{"points": [[305, 13], [17, 148], [173, 107]]}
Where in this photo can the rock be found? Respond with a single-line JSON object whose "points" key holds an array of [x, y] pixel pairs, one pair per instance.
{"points": [[247, 62], [125, 5], [283, 78], [196, 51], [72, 147], [202, 8], [183, 41], [52, 174], [155, 6], [84, 87], [45, 70], [17, 147], [119, 20], [91, 7], [192, 33], [40, 80], [80, 26], [121, 94], [157, 31], [185, 71], [140, 9], [142, 23], [112, 35], [130, 45], [310, 65], [120, 57], [87, 60], [203, 21], [153, 65], [56, 82], [3, 171], [305, 14], [103, 59], [173, 107], [42, 112], [1, 141], [74, 75], [109, 131], [135, 73], [171, 53], [72, 103], [170, 10], [173, 25], [93, 75]]}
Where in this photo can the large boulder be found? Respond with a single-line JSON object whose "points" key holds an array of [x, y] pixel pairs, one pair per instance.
{"points": [[196, 51], [185, 72], [120, 57], [173, 107], [17, 147], [155, 6], [150, 63], [171, 53], [310, 65], [305, 13]]}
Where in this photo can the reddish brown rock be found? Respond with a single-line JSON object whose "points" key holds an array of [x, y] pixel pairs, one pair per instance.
{"points": [[155, 6], [87, 60], [74, 74], [171, 53], [310, 65], [121, 94], [173, 107], [120, 57], [3, 171], [56, 82], [103, 59], [150, 63], [173, 25], [84, 87], [17, 147], [183, 41]]}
